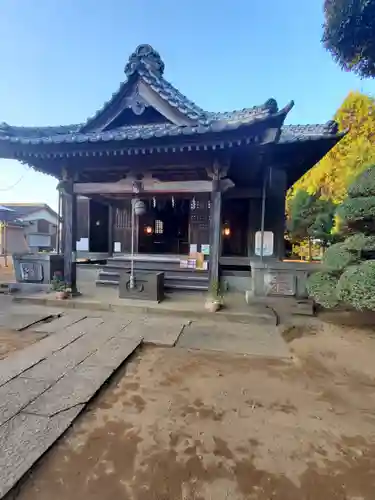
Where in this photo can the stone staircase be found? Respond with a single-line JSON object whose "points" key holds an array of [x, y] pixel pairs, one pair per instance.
{"points": [[175, 278]]}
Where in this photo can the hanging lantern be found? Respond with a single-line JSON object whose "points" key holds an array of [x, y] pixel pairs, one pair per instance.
{"points": [[149, 230], [139, 207], [226, 230]]}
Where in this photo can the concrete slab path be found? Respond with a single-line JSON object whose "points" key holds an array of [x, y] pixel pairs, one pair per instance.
{"points": [[46, 385], [236, 338]]}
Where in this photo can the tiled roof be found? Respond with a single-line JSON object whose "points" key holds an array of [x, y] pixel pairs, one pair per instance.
{"points": [[135, 132], [298, 133], [20, 210], [289, 133], [10, 131], [146, 64]]}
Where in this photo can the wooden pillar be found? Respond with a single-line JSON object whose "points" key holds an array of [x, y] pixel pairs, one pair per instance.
{"points": [[216, 173], [111, 228], [215, 236], [69, 232]]}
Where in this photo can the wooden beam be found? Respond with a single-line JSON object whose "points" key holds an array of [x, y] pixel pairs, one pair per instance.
{"points": [[151, 186]]}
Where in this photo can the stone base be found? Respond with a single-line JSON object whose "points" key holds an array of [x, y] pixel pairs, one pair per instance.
{"points": [[37, 267], [147, 287], [279, 278]]}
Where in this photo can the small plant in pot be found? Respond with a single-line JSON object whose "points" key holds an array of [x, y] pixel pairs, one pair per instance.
{"points": [[215, 300], [59, 286]]}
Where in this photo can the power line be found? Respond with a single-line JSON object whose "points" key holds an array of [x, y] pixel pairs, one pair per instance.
{"points": [[13, 185]]}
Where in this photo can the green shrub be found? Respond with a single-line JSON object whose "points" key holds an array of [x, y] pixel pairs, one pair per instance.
{"points": [[322, 288], [360, 243], [357, 209], [363, 185], [356, 286], [337, 258]]}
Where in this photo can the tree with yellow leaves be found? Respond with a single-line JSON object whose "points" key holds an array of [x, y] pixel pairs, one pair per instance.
{"points": [[356, 151]]}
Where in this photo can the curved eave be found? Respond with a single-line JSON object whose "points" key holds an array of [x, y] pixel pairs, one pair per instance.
{"points": [[300, 156], [167, 139]]}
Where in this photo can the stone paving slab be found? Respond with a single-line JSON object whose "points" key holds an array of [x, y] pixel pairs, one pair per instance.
{"points": [[59, 363], [20, 361], [59, 323], [16, 394], [255, 340], [156, 330], [163, 331], [47, 384], [24, 439], [21, 321], [80, 384]]}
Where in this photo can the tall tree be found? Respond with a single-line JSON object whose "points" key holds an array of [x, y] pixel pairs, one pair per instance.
{"points": [[349, 34], [331, 176]]}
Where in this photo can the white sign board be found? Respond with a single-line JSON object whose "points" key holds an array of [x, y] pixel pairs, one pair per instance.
{"points": [[83, 245], [267, 243]]}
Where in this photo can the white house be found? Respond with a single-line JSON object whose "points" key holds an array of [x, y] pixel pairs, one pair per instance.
{"points": [[40, 224]]}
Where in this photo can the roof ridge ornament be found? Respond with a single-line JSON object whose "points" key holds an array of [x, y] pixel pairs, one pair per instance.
{"points": [[332, 127], [271, 105], [145, 57]]}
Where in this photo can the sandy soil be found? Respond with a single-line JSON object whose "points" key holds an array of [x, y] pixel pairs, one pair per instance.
{"points": [[176, 424], [12, 340]]}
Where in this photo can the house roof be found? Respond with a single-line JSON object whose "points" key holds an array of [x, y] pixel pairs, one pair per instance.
{"points": [[22, 210], [123, 126]]}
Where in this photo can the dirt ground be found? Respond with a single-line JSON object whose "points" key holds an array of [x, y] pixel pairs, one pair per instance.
{"points": [[177, 424], [11, 340]]}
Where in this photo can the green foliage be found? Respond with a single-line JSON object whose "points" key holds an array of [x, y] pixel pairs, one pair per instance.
{"points": [[331, 177], [356, 286], [322, 288], [301, 214], [310, 217], [322, 226], [307, 250], [364, 184], [337, 258], [349, 264], [358, 210], [349, 34], [360, 243], [58, 283]]}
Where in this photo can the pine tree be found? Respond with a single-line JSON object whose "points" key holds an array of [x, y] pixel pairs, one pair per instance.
{"points": [[349, 34], [349, 267]]}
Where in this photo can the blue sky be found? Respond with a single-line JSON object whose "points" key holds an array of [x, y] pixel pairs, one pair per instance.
{"points": [[60, 60]]}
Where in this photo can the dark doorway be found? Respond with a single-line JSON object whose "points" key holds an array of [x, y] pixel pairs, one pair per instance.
{"points": [[235, 223], [99, 228], [165, 227]]}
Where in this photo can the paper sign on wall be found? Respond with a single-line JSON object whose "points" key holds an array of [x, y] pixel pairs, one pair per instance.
{"points": [[193, 249], [82, 245], [205, 249], [267, 243], [117, 246]]}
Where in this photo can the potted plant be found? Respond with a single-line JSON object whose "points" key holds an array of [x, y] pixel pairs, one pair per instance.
{"points": [[215, 300], [58, 285]]}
